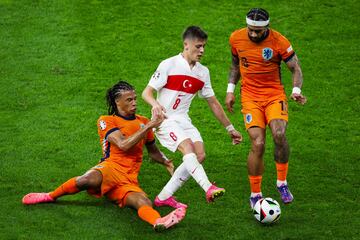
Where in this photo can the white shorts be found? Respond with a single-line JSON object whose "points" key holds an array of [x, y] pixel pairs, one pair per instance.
{"points": [[173, 131]]}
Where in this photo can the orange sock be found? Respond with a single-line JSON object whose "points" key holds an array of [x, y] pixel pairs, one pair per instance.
{"points": [[255, 183], [281, 169], [148, 214], [68, 187]]}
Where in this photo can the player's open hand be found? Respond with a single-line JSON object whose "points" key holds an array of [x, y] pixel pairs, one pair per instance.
{"points": [[230, 101], [236, 137], [298, 98], [158, 110], [156, 121], [169, 166]]}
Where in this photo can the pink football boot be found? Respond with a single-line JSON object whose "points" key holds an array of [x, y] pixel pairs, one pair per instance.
{"points": [[169, 220], [35, 198], [171, 202], [214, 192]]}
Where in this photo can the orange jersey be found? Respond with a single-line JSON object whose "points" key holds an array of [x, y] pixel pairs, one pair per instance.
{"points": [[129, 161], [260, 64]]}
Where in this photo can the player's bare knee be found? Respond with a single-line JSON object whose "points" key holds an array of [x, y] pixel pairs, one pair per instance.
{"points": [[91, 179], [148, 202], [258, 146], [200, 157], [279, 136], [186, 146], [82, 182], [143, 201]]}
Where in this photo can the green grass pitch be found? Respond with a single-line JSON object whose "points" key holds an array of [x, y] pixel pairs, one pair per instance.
{"points": [[57, 59]]}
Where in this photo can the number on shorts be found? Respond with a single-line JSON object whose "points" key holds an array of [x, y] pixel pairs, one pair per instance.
{"points": [[177, 102], [283, 106], [173, 136]]}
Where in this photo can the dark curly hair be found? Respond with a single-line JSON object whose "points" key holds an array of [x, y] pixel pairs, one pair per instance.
{"points": [[115, 92], [258, 14]]}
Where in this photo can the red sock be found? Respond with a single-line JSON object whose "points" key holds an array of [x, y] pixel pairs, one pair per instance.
{"points": [[68, 187], [148, 214], [255, 183], [281, 169]]}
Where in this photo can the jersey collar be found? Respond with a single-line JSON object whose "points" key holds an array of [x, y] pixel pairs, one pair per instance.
{"points": [[186, 62], [132, 117]]}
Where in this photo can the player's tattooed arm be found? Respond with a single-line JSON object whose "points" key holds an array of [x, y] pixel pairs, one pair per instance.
{"points": [[234, 73], [234, 77], [297, 76]]}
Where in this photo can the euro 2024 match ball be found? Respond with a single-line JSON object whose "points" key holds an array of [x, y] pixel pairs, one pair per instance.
{"points": [[267, 210]]}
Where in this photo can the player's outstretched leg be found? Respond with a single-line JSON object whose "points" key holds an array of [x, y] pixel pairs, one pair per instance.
{"points": [[285, 193], [35, 198], [171, 202], [214, 192], [170, 220]]}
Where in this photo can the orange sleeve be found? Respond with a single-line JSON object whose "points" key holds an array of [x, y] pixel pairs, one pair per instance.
{"points": [[231, 41], [285, 49], [106, 125]]}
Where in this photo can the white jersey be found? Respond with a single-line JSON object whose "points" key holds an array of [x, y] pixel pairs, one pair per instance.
{"points": [[177, 84]]}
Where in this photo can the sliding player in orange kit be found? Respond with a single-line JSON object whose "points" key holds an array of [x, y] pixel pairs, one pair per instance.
{"points": [[123, 135]]}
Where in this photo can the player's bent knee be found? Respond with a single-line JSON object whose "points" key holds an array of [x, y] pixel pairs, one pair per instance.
{"points": [[91, 179], [258, 146], [144, 201], [186, 146], [279, 135], [200, 157], [137, 200]]}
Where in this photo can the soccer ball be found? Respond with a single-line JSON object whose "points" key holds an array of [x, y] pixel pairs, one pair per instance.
{"points": [[267, 210]]}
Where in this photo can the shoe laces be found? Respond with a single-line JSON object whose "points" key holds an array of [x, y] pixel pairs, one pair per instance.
{"points": [[256, 198], [173, 199], [284, 190]]}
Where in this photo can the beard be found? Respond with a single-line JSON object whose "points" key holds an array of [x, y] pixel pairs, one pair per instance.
{"points": [[256, 39], [259, 39]]}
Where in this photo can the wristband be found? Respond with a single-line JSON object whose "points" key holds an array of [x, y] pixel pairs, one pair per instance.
{"points": [[230, 128], [296, 90], [230, 88]]}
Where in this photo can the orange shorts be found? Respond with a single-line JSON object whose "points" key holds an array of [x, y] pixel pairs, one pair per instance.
{"points": [[259, 114], [115, 185]]}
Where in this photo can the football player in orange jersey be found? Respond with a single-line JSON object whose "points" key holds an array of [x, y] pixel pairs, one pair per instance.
{"points": [[257, 52], [122, 135]]}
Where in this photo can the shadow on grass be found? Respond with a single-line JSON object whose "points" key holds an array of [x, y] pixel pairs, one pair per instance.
{"points": [[81, 203]]}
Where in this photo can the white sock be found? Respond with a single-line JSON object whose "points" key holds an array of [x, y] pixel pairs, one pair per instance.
{"points": [[279, 183], [196, 170], [254, 194], [180, 176]]}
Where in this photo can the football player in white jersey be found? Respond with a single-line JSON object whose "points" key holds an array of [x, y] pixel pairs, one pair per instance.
{"points": [[176, 81]]}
